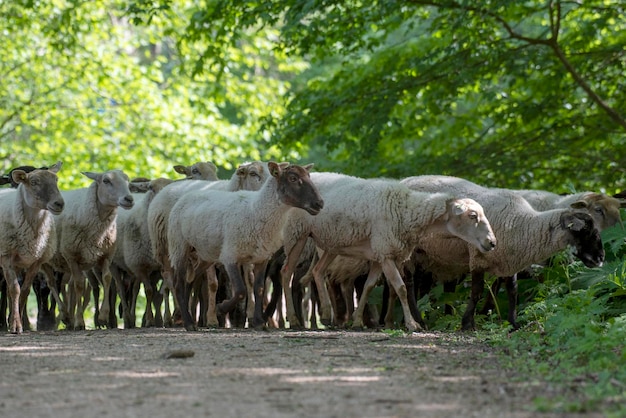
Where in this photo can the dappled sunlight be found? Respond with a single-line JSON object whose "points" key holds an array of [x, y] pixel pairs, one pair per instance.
{"points": [[337, 379], [455, 379], [141, 374]]}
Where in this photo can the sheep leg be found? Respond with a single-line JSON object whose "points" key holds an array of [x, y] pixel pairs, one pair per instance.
{"points": [[213, 285], [370, 283], [238, 288], [52, 285], [391, 302], [13, 289], [478, 286], [77, 293], [106, 277], [395, 280], [320, 283], [157, 299], [251, 299], [259, 294], [291, 261], [511, 289], [3, 303], [347, 293], [147, 319], [181, 293]]}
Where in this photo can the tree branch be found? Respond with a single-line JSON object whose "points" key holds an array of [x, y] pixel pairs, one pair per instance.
{"points": [[552, 43]]}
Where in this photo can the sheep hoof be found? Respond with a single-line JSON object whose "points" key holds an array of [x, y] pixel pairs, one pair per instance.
{"points": [[258, 325], [327, 322], [191, 327]]}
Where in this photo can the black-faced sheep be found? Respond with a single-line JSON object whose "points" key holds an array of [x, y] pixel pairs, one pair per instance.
{"points": [[381, 221], [28, 232], [237, 228], [525, 236]]}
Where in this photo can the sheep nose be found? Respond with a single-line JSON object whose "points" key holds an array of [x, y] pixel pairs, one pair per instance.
{"points": [[319, 205], [59, 205], [127, 201], [492, 244]]}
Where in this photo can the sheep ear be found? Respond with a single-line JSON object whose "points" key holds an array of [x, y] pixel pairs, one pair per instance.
{"points": [[139, 186], [308, 167], [56, 167], [459, 208], [180, 169], [274, 168], [91, 175], [580, 204], [19, 176], [241, 170]]}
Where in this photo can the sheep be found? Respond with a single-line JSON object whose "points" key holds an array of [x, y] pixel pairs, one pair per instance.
{"points": [[133, 254], [237, 228], [378, 220], [198, 171], [8, 179], [248, 176], [525, 236], [86, 232], [603, 208], [28, 233]]}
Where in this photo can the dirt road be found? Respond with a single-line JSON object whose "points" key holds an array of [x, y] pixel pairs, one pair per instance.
{"points": [[245, 373]]}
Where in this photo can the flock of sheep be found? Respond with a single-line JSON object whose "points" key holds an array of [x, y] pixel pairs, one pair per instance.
{"points": [[192, 236]]}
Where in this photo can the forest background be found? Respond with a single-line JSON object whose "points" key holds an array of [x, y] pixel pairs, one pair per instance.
{"points": [[504, 93]]}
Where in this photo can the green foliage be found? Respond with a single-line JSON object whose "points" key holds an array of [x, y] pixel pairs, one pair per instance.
{"points": [[573, 331], [506, 93], [82, 85]]}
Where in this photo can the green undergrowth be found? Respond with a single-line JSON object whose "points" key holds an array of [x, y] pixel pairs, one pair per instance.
{"points": [[573, 332]]}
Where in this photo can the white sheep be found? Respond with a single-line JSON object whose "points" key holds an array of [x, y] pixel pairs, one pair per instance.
{"points": [[198, 171], [133, 256], [237, 228], [87, 232], [603, 208], [378, 220], [27, 232], [525, 236], [248, 176]]}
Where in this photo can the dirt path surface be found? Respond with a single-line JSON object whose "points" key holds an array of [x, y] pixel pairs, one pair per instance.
{"points": [[245, 373]]}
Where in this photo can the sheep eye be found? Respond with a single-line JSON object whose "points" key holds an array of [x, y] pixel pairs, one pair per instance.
{"points": [[473, 215], [253, 174], [34, 182], [106, 181], [195, 171], [293, 178]]}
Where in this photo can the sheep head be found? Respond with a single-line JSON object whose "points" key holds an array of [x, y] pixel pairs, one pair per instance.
{"points": [[202, 170], [40, 188], [466, 219], [603, 209], [112, 188], [295, 187], [251, 175], [584, 236]]}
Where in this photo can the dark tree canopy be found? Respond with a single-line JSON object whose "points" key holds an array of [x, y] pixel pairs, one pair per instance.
{"points": [[506, 93], [520, 94]]}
